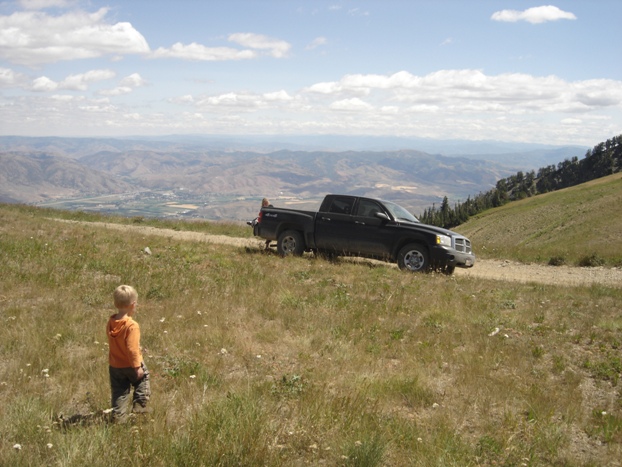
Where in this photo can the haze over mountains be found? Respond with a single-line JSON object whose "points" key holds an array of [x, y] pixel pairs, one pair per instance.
{"points": [[228, 175]]}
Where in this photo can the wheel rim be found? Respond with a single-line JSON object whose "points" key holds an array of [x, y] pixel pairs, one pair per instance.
{"points": [[414, 260], [289, 245]]}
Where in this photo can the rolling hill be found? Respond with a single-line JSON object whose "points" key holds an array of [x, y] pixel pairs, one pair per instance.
{"points": [[568, 224]]}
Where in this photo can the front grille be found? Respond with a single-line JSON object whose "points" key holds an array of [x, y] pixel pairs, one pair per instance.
{"points": [[462, 244]]}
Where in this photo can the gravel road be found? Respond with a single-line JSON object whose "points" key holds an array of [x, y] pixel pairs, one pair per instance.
{"points": [[486, 269]]}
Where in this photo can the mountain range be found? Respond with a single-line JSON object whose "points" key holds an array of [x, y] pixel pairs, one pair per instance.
{"points": [[40, 170]]}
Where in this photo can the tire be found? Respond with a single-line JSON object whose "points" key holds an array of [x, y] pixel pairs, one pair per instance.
{"points": [[290, 242], [414, 257]]}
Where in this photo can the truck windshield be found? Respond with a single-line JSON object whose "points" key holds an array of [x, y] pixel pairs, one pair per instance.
{"points": [[399, 213]]}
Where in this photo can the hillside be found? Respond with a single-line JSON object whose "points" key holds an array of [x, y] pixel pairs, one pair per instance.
{"points": [[260, 360], [569, 224], [37, 177]]}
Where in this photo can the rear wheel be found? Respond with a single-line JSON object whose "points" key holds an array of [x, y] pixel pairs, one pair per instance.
{"points": [[414, 257], [290, 242]]}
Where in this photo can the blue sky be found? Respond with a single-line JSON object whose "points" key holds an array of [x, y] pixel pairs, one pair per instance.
{"points": [[524, 71]]}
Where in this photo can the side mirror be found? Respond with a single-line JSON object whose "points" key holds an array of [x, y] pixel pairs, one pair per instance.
{"points": [[382, 216]]}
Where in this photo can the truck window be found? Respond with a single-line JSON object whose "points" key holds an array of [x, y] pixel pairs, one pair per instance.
{"points": [[341, 205], [367, 208]]}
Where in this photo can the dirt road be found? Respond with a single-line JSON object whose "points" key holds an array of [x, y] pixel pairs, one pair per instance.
{"points": [[486, 269]]}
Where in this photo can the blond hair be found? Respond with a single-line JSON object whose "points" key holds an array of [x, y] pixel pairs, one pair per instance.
{"points": [[124, 296], [265, 202]]}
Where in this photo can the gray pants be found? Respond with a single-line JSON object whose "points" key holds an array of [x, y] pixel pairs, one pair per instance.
{"points": [[122, 380]]}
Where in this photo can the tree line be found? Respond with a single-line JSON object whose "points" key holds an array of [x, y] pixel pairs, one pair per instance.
{"points": [[602, 160]]}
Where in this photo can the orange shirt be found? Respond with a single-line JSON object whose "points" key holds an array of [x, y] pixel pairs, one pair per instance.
{"points": [[123, 343]]}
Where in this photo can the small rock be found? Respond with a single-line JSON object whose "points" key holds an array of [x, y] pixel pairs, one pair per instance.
{"points": [[147, 250]]}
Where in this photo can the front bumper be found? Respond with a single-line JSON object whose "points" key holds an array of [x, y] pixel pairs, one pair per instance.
{"points": [[450, 257]]}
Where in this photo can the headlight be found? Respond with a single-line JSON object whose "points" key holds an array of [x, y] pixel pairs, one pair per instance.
{"points": [[443, 240]]}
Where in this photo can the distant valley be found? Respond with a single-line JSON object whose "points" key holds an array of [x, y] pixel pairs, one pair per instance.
{"points": [[197, 177]]}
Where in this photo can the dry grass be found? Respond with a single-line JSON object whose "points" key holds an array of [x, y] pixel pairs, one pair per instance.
{"points": [[258, 360], [566, 226]]}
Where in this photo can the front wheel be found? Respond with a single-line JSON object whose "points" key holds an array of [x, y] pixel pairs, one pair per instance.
{"points": [[414, 257], [290, 242]]}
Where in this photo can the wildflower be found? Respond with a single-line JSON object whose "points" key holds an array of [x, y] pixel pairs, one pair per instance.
{"points": [[45, 370], [223, 351], [17, 447], [162, 320], [193, 376], [50, 445], [199, 313], [165, 332]]}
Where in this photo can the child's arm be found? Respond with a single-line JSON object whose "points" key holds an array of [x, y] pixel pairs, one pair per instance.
{"points": [[133, 346]]}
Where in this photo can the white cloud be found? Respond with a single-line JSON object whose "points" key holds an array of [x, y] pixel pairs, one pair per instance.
{"points": [[198, 52], [460, 103], [469, 91], [571, 121], [77, 82], [230, 100], [358, 12], [33, 38], [44, 84], [118, 91], [281, 96], [43, 4], [535, 15], [126, 86], [10, 78], [351, 105], [80, 82], [134, 81], [277, 48], [317, 42]]}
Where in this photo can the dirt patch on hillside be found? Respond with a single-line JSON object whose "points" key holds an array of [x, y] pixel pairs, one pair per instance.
{"points": [[485, 269]]}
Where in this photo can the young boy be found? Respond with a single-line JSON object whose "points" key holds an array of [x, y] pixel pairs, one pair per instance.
{"points": [[126, 365]]}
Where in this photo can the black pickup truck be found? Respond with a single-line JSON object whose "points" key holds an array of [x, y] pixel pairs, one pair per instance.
{"points": [[366, 227]]}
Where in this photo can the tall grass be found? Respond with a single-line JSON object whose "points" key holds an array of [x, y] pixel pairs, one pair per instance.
{"points": [[259, 360]]}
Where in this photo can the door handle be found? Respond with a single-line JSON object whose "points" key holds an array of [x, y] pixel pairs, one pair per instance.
{"points": [[326, 218], [359, 222]]}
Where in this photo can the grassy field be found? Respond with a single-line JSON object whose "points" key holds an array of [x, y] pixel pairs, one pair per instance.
{"points": [[569, 226], [259, 360]]}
